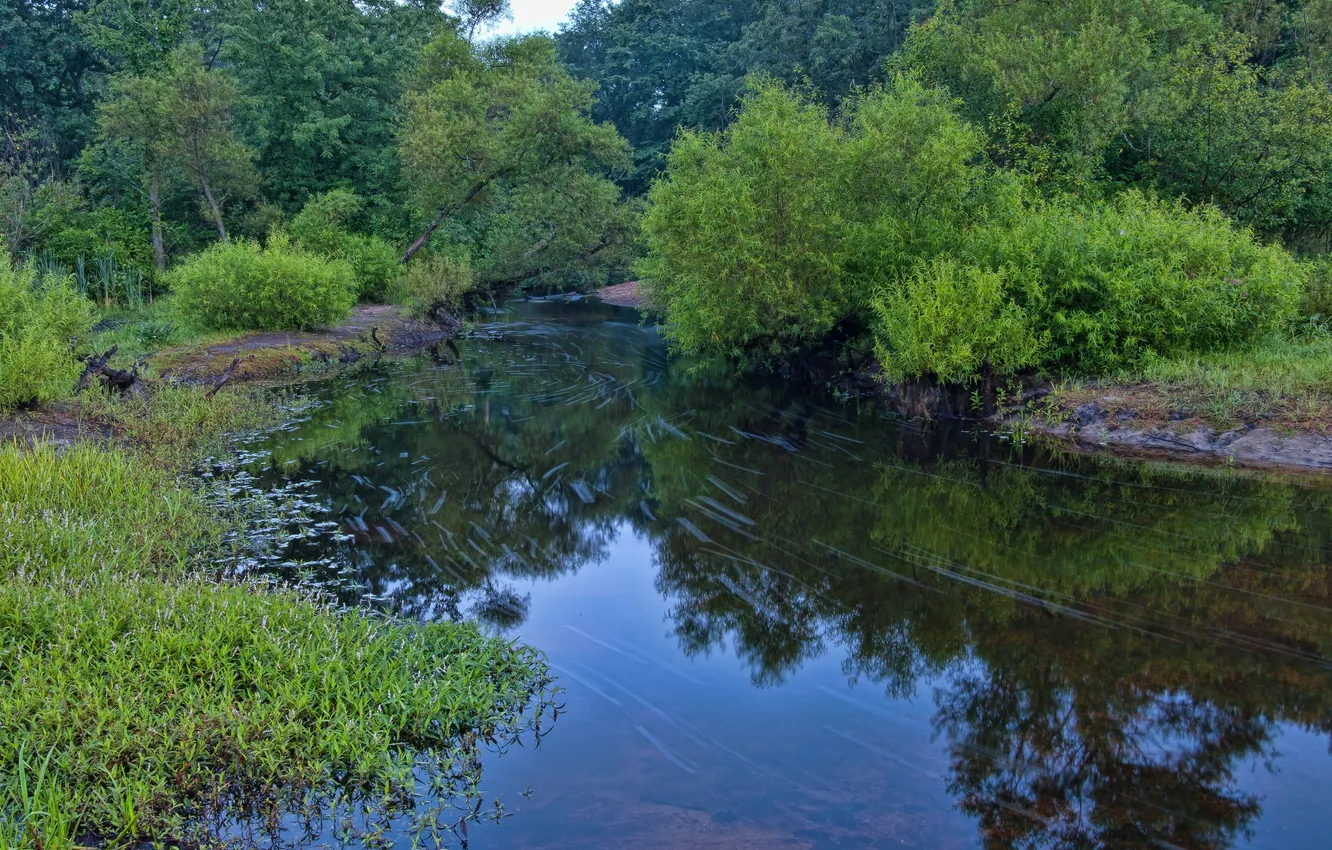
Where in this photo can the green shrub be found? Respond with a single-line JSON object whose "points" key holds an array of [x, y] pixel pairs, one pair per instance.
{"points": [[375, 263], [744, 237], [40, 321], [1316, 303], [323, 226], [242, 287], [433, 285], [768, 236], [1114, 283], [1091, 288], [951, 320]]}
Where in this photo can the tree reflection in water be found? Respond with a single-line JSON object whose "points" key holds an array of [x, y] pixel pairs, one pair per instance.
{"points": [[1107, 643]]}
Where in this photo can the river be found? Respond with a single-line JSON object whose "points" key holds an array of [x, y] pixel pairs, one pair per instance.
{"points": [[781, 620]]}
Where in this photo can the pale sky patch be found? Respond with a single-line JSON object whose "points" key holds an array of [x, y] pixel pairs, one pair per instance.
{"points": [[529, 15]]}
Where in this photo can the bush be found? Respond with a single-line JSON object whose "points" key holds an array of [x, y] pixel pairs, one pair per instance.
{"points": [[1090, 288], [743, 233], [239, 286], [772, 234], [323, 226], [1118, 282], [1316, 303], [433, 285], [950, 321], [40, 321]]}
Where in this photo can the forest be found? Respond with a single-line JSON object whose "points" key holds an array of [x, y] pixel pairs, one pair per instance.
{"points": [[948, 190]]}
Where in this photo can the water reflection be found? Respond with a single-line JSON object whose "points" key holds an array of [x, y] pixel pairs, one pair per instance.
{"points": [[1110, 648]]}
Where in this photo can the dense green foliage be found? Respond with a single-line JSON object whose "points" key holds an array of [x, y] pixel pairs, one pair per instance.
{"points": [[153, 697], [744, 239], [529, 196], [434, 284], [41, 322], [137, 133], [787, 228], [242, 286], [772, 233], [1094, 93], [323, 226], [1084, 188]]}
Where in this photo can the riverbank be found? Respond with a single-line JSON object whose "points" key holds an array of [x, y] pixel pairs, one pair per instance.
{"points": [[623, 294], [249, 359], [161, 699], [1264, 406]]}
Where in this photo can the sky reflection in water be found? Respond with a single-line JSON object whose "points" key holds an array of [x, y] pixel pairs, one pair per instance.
{"points": [[784, 622]]}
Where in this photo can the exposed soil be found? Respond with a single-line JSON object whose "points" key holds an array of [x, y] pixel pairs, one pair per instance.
{"points": [[623, 294], [59, 425], [1140, 421], [372, 329]]}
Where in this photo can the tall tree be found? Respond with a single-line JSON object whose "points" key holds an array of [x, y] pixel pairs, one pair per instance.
{"points": [[180, 118], [659, 65], [136, 116], [49, 72], [321, 84], [504, 135], [480, 14]]}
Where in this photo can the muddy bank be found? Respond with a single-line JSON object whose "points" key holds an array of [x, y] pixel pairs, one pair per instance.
{"points": [[1097, 427], [372, 330], [623, 294], [1144, 421]]}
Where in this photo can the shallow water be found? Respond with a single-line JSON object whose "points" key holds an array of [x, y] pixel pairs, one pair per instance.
{"points": [[782, 621]]}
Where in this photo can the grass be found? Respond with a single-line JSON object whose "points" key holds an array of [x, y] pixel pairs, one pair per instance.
{"points": [[1283, 381], [146, 700], [140, 331], [177, 425]]}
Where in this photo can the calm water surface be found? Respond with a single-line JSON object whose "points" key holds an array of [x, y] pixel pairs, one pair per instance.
{"points": [[785, 622]]}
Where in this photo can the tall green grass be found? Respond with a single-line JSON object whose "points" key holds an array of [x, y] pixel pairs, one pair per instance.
{"points": [[1281, 377], [140, 699]]}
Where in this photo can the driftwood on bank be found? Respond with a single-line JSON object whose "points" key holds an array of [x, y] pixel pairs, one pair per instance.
{"points": [[224, 377], [116, 380]]}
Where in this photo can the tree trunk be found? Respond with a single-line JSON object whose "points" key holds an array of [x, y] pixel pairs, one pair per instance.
{"points": [[216, 210], [155, 207], [425, 237], [445, 212]]}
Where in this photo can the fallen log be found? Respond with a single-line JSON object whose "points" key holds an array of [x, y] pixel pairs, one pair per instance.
{"points": [[118, 380], [224, 377]]}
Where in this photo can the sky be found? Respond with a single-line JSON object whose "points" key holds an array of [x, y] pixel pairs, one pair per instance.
{"points": [[531, 15]]}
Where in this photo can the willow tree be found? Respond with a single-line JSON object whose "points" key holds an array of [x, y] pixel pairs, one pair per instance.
{"points": [[498, 144]]}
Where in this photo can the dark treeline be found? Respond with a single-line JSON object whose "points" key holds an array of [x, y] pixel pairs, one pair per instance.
{"points": [[666, 64]]}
